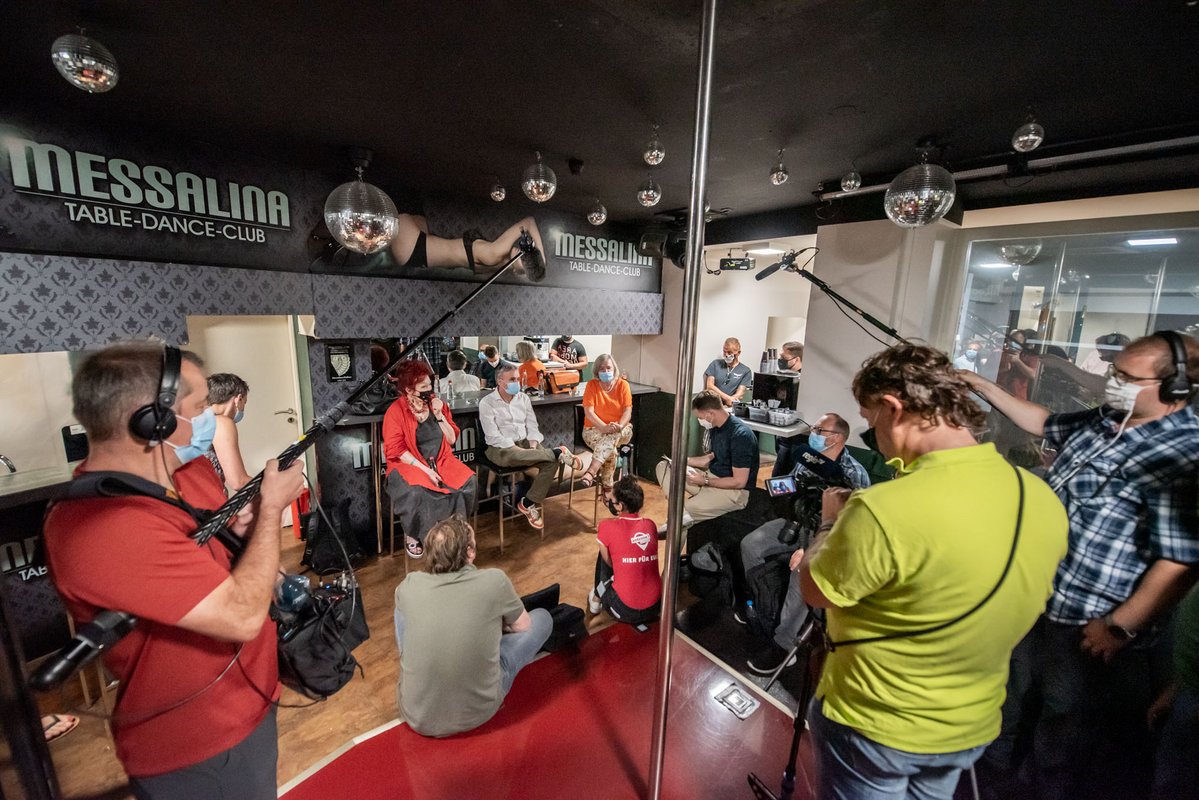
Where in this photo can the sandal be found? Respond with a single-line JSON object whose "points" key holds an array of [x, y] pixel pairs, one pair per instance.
{"points": [[413, 548], [52, 721], [588, 480]]}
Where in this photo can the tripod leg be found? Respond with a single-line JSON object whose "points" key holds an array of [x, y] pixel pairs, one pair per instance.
{"points": [[774, 676]]}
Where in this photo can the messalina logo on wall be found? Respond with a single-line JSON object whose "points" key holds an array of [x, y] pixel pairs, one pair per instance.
{"points": [[119, 193]]}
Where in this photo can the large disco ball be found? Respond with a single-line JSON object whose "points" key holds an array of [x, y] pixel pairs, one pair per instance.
{"points": [[84, 62], [1028, 137], [649, 193], [851, 181], [361, 217], [919, 195], [598, 215], [1020, 254], [539, 182]]}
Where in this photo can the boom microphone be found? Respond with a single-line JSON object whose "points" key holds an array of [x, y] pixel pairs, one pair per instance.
{"points": [[786, 262], [92, 639]]}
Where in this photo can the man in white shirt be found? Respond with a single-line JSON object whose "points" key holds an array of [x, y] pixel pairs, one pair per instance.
{"points": [[462, 380], [514, 440]]}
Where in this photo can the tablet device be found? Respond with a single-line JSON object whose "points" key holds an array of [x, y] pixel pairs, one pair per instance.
{"points": [[782, 485]]}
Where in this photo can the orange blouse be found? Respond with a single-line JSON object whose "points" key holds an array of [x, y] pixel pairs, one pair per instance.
{"points": [[607, 405], [530, 374]]}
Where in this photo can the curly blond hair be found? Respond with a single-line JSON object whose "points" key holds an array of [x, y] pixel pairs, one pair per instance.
{"points": [[925, 381]]}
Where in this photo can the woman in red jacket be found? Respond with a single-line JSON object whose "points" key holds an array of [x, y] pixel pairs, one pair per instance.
{"points": [[425, 481]]}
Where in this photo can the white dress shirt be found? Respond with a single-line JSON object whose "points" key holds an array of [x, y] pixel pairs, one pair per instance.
{"points": [[506, 423], [463, 381]]}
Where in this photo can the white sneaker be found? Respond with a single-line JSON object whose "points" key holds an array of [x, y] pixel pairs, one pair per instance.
{"points": [[687, 523], [593, 603]]}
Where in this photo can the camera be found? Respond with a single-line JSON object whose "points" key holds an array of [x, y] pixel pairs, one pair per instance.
{"points": [[803, 512]]}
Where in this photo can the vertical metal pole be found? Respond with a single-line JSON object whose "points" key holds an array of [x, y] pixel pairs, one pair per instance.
{"points": [[682, 404], [1151, 323]]}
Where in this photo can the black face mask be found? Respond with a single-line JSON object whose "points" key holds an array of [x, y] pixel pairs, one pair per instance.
{"points": [[784, 363], [427, 396]]}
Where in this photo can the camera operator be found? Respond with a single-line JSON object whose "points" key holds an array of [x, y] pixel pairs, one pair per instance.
{"points": [[828, 438], [928, 588], [198, 674], [1126, 472]]}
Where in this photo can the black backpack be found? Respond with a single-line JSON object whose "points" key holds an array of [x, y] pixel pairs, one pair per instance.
{"points": [[710, 578], [328, 550], [768, 590], [569, 626]]}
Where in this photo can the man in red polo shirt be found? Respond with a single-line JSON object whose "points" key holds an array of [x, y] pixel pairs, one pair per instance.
{"points": [[195, 715]]}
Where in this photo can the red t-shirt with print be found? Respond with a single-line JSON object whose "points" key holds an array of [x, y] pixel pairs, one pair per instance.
{"points": [[133, 554], [632, 544]]}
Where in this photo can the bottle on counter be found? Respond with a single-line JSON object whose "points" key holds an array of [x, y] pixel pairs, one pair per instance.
{"points": [[765, 365], [450, 388]]}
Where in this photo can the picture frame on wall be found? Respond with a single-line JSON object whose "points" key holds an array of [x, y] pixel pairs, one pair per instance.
{"points": [[339, 362]]}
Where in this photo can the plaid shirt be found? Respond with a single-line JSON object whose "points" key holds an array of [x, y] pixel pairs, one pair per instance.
{"points": [[1130, 503]]}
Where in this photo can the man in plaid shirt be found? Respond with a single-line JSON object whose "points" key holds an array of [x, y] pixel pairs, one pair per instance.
{"points": [[1127, 473]]}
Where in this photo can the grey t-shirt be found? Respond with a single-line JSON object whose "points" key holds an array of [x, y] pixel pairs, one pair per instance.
{"points": [[729, 378], [450, 679]]}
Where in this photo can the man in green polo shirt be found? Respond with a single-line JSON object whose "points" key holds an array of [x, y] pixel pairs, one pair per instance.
{"points": [[941, 583]]}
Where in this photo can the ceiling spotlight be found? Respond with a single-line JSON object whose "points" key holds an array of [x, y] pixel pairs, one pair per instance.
{"points": [[851, 181], [919, 195], [655, 152], [598, 215], [360, 216], [498, 192], [779, 175], [84, 62], [539, 182], [1020, 254], [649, 193], [1028, 137]]}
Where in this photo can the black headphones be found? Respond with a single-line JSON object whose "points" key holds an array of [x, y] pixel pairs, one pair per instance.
{"points": [[1176, 387], [156, 421]]}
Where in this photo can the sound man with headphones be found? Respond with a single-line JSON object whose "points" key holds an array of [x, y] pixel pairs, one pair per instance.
{"points": [[1128, 474], [199, 673]]}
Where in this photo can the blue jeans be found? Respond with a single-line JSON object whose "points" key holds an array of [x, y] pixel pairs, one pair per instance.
{"points": [[852, 767]]}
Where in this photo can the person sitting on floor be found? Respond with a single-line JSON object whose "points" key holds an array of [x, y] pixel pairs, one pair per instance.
{"points": [[462, 635], [425, 481], [461, 380], [627, 582]]}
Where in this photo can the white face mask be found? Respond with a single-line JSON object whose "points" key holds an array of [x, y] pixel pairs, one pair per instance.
{"points": [[1121, 396], [703, 423]]}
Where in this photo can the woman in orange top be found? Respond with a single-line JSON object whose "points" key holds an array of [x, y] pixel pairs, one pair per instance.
{"points": [[607, 411], [531, 369], [425, 481]]}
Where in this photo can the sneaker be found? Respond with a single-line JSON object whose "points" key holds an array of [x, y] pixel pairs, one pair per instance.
{"points": [[767, 661], [593, 603], [739, 616], [532, 513]]}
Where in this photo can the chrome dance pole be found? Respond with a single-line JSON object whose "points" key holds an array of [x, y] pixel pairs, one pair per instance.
{"points": [[682, 404]]}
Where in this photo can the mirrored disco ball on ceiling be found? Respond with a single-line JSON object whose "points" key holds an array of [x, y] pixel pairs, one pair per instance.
{"points": [[498, 192], [655, 151], [850, 181], [84, 62], [649, 193], [1020, 254], [539, 182], [779, 175], [361, 217], [919, 195], [1028, 137], [598, 215]]}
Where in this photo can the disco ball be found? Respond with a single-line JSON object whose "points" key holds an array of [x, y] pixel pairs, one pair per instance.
{"points": [[1020, 254], [649, 193], [498, 192], [655, 151], [850, 181], [598, 215], [539, 182], [361, 217], [779, 175], [1028, 137], [84, 62], [919, 195]]}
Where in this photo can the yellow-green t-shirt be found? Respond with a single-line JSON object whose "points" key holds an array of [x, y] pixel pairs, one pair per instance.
{"points": [[921, 550]]}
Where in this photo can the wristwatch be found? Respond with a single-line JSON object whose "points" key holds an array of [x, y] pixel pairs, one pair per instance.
{"points": [[1119, 632]]}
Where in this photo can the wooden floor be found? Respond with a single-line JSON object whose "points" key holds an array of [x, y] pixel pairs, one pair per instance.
{"points": [[85, 759]]}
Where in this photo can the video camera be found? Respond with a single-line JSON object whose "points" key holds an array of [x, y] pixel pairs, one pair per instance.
{"points": [[801, 494]]}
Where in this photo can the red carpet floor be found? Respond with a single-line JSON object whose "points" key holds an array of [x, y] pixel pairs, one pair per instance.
{"points": [[577, 726]]}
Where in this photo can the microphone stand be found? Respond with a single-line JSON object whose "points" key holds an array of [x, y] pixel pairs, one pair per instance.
{"points": [[80, 652], [824, 287]]}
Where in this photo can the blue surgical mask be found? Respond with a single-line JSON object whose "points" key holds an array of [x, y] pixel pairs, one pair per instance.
{"points": [[203, 429], [730, 359], [482, 356], [607, 375], [239, 416], [512, 387], [817, 441], [971, 355]]}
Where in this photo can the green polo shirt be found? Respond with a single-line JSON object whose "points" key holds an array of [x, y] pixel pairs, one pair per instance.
{"points": [[921, 550]]}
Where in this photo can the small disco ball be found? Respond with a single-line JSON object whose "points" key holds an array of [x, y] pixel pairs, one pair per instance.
{"points": [[779, 175], [539, 182], [649, 193], [498, 193], [851, 181], [84, 62], [1020, 254], [598, 215], [919, 195], [655, 152], [361, 217], [1028, 137]]}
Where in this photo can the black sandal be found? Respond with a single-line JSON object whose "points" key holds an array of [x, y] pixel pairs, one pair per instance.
{"points": [[588, 480]]}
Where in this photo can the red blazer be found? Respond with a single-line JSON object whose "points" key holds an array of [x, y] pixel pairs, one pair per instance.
{"points": [[399, 437]]}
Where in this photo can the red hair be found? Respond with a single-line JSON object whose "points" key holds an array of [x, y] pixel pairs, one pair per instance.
{"points": [[410, 372]]}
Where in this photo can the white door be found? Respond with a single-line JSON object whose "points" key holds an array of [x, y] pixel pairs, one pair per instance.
{"points": [[262, 351]]}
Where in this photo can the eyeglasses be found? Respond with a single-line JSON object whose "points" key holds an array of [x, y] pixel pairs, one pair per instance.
{"points": [[826, 432], [1123, 378]]}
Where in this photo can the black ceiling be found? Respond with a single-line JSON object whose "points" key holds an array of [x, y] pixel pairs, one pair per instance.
{"points": [[453, 94]]}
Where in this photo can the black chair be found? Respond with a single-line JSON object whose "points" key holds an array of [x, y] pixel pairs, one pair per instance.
{"points": [[505, 495]]}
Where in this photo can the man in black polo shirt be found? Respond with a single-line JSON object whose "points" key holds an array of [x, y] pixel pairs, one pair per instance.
{"points": [[719, 481]]}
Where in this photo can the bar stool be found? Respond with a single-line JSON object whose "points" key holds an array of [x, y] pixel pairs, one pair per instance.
{"points": [[505, 491]]}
